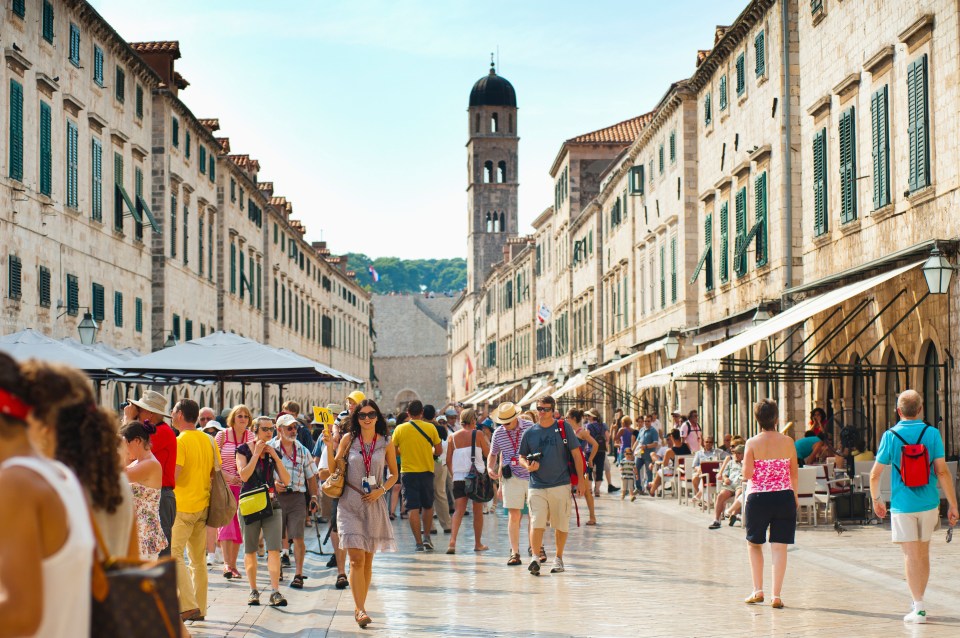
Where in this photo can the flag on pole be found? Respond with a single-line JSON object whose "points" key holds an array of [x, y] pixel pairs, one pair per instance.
{"points": [[543, 314], [373, 273]]}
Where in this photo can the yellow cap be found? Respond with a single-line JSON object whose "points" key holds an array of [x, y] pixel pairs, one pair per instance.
{"points": [[356, 396]]}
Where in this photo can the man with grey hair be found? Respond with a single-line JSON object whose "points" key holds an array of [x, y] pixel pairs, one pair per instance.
{"points": [[914, 500]]}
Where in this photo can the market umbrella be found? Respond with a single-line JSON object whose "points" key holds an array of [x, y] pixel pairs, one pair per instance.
{"points": [[30, 344]]}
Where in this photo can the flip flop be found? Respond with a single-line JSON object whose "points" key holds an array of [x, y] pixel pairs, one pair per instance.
{"points": [[482, 548], [451, 550]]}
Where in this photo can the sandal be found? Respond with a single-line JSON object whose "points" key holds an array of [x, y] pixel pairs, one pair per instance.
{"points": [[542, 557], [297, 582], [451, 550], [514, 559], [227, 574], [342, 581], [362, 618], [393, 517], [590, 523]]}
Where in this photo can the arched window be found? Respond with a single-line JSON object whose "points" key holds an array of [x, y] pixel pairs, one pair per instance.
{"points": [[476, 123], [489, 223], [891, 390], [501, 172], [487, 172], [494, 123], [931, 387], [503, 226]]}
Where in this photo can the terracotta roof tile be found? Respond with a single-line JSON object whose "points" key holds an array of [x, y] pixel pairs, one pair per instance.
{"points": [[265, 186], [718, 34], [211, 123], [702, 55], [180, 81], [621, 133], [277, 200], [162, 46], [224, 144], [244, 162]]}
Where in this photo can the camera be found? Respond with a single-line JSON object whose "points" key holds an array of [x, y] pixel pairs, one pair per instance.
{"points": [[124, 404], [506, 471], [534, 457]]}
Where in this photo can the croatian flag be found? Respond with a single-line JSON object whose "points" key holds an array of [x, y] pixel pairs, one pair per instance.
{"points": [[373, 273], [543, 314]]}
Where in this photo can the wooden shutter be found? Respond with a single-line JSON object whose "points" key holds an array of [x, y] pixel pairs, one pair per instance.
{"points": [[14, 277], [848, 166], [741, 71], [96, 180], [16, 130], [173, 225], [73, 295], [72, 159], [98, 302], [707, 118], [175, 129], [118, 309], [46, 151], [673, 270], [138, 312], [820, 225], [724, 241], [47, 30], [233, 268], [98, 65], [74, 44], [708, 241], [917, 125], [760, 203], [740, 251], [881, 149], [760, 52], [663, 277], [723, 92], [43, 285]]}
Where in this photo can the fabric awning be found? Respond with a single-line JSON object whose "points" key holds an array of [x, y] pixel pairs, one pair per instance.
{"points": [[613, 366], [710, 360], [537, 385], [470, 395], [502, 390], [482, 396], [574, 382]]}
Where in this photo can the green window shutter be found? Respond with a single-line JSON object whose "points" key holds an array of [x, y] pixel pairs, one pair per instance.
{"points": [[740, 252], [881, 148], [46, 150], [20, 8], [16, 131], [760, 53], [741, 74], [636, 180], [673, 146], [816, 5], [243, 277], [186, 234], [707, 118], [138, 314], [14, 277], [203, 160], [43, 286], [175, 130], [210, 250], [188, 329], [72, 159], [233, 191], [200, 245], [98, 65], [917, 124], [724, 242], [723, 92], [138, 197], [760, 202], [213, 167], [848, 165], [73, 295], [186, 146], [47, 27], [117, 198], [98, 303], [820, 225], [259, 286], [96, 180], [120, 84], [173, 225], [663, 276], [176, 327], [139, 102], [118, 309], [233, 268], [661, 159], [74, 44], [708, 242], [673, 270]]}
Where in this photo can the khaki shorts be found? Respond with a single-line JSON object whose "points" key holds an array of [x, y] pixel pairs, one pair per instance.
{"points": [[550, 505], [915, 526], [514, 492]]}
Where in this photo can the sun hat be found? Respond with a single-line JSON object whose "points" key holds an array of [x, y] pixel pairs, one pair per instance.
{"points": [[152, 402], [677, 411], [214, 425], [356, 396], [335, 408], [441, 417], [592, 413], [450, 412], [285, 420], [505, 413]]}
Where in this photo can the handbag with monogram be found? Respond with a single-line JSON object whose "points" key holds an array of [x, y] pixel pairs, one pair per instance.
{"points": [[333, 486], [477, 485], [223, 504]]}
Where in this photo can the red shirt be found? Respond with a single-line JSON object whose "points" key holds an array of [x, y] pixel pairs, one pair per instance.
{"points": [[163, 444]]}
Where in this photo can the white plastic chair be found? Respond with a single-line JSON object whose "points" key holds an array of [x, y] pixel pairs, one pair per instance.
{"points": [[807, 491], [684, 478]]}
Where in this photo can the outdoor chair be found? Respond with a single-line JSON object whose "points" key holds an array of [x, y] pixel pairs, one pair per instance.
{"points": [[807, 492], [708, 483], [684, 478]]}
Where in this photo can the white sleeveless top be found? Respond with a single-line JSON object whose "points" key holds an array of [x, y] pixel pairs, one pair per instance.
{"points": [[66, 574], [461, 461]]}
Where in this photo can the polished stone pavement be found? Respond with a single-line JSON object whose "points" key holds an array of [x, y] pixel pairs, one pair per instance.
{"points": [[651, 568]]}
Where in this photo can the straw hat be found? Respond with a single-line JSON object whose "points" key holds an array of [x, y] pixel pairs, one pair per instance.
{"points": [[505, 413], [787, 429], [152, 402]]}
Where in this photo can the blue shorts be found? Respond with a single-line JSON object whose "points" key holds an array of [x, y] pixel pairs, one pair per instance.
{"points": [[417, 490]]}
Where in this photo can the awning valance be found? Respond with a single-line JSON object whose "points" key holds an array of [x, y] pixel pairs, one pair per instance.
{"points": [[573, 383]]}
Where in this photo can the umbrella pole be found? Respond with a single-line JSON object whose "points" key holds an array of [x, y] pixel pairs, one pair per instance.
{"points": [[97, 387], [280, 391], [221, 395], [263, 398], [243, 393]]}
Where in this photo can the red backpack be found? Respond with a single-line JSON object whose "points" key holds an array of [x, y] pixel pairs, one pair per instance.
{"points": [[571, 466], [914, 461]]}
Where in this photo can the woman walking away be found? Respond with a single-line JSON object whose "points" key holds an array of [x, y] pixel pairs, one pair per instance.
{"points": [[467, 442], [259, 464], [238, 432], [145, 476], [770, 464], [590, 448], [362, 513], [46, 544]]}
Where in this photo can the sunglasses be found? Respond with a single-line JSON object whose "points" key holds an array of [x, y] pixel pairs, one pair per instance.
{"points": [[544, 409], [204, 419], [265, 428], [289, 428], [366, 416], [242, 416]]}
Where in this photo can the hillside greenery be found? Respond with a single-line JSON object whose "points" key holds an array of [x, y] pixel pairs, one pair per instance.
{"points": [[440, 276]]}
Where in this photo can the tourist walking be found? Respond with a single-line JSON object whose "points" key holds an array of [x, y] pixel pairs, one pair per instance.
{"points": [[331, 439], [259, 465], [770, 464], [417, 443], [691, 432], [362, 512], [648, 439], [466, 449], [238, 432], [914, 499], [591, 448], [197, 457], [45, 576], [145, 476], [599, 467], [550, 480], [504, 463], [294, 494], [441, 505]]}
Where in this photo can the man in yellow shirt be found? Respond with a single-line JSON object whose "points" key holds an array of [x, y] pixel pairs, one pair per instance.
{"points": [[417, 443], [196, 458]]}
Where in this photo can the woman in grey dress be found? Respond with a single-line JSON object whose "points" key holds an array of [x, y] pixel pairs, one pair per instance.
{"points": [[362, 518]]}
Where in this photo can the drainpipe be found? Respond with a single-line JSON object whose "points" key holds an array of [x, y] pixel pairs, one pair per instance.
{"points": [[788, 149]]}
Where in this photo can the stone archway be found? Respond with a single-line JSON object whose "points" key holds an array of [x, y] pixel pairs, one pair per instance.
{"points": [[404, 397]]}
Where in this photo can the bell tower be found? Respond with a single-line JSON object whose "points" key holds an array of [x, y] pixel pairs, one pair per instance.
{"points": [[492, 178]]}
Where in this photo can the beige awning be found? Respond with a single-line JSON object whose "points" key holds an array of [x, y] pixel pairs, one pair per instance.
{"points": [[577, 381]]}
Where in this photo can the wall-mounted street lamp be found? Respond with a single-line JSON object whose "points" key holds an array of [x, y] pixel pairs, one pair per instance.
{"points": [[87, 329], [938, 272], [671, 346]]}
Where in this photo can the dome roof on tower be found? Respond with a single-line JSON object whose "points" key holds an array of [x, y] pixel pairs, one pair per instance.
{"points": [[493, 90]]}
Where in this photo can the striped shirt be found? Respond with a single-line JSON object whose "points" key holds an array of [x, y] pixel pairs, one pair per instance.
{"points": [[300, 471], [227, 442], [508, 443]]}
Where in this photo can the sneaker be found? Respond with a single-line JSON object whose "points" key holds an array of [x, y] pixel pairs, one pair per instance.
{"points": [[534, 567], [333, 561], [611, 488], [434, 531], [218, 556], [284, 559], [419, 548], [253, 598], [733, 519], [277, 600], [714, 525], [916, 617], [209, 560], [633, 497], [557, 566], [427, 545]]}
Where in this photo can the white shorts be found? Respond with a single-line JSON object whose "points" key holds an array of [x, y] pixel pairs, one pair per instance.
{"points": [[550, 505], [915, 526], [514, 492]]}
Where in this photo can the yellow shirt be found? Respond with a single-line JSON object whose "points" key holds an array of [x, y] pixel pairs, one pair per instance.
{"points": [[195, 452], [416, 455]]}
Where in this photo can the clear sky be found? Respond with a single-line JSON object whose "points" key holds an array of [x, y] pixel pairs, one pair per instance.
{"points": [[356, 109]]}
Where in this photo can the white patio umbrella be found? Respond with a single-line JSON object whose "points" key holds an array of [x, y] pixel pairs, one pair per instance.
{"points": [[30, 344]]}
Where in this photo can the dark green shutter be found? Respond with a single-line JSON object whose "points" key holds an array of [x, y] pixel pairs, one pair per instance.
{"points": [[673, 146], [46, 150], [19, 8], [243, 277], [47, 29], [175, 130], [14, 277], [740, 251], [138, 197], [724, 242], [98, 65], [661, 159], [820, 225], [186, 146], [200, 245], [707, 118], [203, 160], [663, 276], [760, 52], [760, 202], [139, 101], [74, 44], [16, 130], [917, 124], [673, 270], [881, 148], [120, 88], [173, 225], [138, 312], [210, 250], [176, 327], [72, 160], [96, 180], [188, 329], [723, 92], [118, 309], [233, 268], [43, 286], [73, 295], [213, 167], [186, 234], [117, 197], [708, 241], [98, 302], [741, 73], [848, 166]]}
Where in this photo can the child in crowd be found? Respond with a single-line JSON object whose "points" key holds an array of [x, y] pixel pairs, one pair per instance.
{"points": [[628, 474]]}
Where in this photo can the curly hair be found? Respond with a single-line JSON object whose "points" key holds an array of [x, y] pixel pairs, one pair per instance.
{"points": [[381, 427], [11, 380], [86, 434]]}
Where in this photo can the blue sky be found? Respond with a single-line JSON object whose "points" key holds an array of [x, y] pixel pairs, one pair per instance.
{"points": [[357, 109]]}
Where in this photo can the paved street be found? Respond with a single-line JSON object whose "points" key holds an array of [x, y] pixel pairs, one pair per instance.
{"points": [[650, 568]]}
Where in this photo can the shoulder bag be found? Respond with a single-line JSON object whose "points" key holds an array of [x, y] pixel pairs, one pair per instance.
{"points": [[429, 440], [223, 504], [333, 486], [255, 504], [477, 485]]}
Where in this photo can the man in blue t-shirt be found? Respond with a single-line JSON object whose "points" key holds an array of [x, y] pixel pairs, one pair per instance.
{"points": [[914, 511]]}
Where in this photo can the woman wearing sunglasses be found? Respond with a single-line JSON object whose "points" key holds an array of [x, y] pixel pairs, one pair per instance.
{"points": [[239, 431], [362, 518]]}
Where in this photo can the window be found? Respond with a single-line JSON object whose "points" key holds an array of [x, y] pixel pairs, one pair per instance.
{"points": [[175, 131], [760, 217], [663, 276], [120, 83], [43, 286], [138, 193], [74, 44], [488, 172], [706, 260], [188, 329], [724, 242], [46, 152], [233, 198], [673, 270], [326, 331], [848, 166], [723, 92], [73, 295], [636, 180], [97, 303], [881, 148], [501, 172], [917, 124], [186, 234], [660, 156], [186, 146], [740, 249], [494, 123], [820, 226], [210, 250], [138, 314], [96, 180], [176, 327], [19, 8], [16, 131], [47, 25], [200, 245], [117, 198], [233, 269], [118, 309], [673, 146], [203, 160], [72, 171], [741, 71], [816, 5], [707, 117], [759, 50], [98, 65], [13, 277], [213, 167], [139, 102], [173, 225]]}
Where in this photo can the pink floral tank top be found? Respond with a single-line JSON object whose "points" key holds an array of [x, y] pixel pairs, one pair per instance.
{"points": [[771, 475]]}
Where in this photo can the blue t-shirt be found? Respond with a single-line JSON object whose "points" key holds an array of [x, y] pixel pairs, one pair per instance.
{"points": [[805, 446], [553, 466], [905, 500]]}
